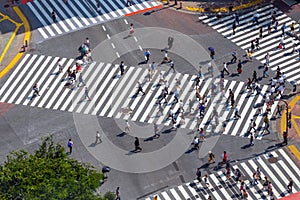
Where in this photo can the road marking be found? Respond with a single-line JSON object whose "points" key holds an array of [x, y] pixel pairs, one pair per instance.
{"points": [[125, 21], [140, 48], [135, 38], [294, 151], [144, 10], [103, 27], [113, 46], [118, 54], [108, 36]]}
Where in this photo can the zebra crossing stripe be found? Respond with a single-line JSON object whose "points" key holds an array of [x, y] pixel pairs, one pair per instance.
{"points": [[183, 192], [115, 93], [223, 191], [124, 92], [63, 15], [32, 80], [10, 89], [165, 196], [74, 7], [174, 193]]}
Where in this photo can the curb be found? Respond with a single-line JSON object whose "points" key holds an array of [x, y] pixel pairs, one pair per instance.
{"points": [[26, 38], [144, 10]]}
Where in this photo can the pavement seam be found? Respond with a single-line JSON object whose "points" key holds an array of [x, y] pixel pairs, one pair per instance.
{"points": [[26, 38]]}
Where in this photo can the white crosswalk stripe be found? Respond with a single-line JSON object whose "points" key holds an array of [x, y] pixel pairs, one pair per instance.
{"points": [[75, 15], [275, 165], [112, 93], [247, 32]]}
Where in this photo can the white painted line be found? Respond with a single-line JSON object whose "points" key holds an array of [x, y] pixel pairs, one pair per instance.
{"points": [[175, 195], [103, 27], [140, 48], [107, 36], [118, 55], [125, 21], [135, 38], [113, 46]]}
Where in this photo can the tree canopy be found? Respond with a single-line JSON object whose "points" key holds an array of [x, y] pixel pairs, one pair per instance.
{"points": [[48, 173]]}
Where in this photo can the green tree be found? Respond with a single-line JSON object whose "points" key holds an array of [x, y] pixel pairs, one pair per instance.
{"points": [[48, 173]]}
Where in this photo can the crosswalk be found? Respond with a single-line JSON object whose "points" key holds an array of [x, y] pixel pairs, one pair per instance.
{"points": [[247, 32], [220, 187], [115, 96], [77, 14]]}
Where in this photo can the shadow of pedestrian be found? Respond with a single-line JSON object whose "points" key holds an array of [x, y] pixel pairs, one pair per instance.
{"points": [[121, 134], [246, 146], [126, 37]]}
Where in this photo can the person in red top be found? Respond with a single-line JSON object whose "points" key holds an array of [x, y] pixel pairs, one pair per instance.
{"points": [[225, 157]]}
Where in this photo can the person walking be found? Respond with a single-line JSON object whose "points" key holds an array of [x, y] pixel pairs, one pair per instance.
{"points": [[236, 113], [86, 92], [172, 66], [225, 68], [118, 197], [129, 3], [278, 111], [234, 56], [265, 71], [70, 145], [267, 124], [36, 90], [98, 137], [147, 56], [211, 157], [251, 139], [80, 80], [254, 76], [290, 185], [122, 68], [238, 175], [224, 157], [137, 145], [283, 27], [239, 67], [285, 140], [233, 27], [176, 96], [127, 127], [252, 125], [199, 174], [53, 15], [140, 89], [131, 29]]}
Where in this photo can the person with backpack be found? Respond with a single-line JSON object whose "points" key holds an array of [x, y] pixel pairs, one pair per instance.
{"points": [[211, 157], [252, 125]]}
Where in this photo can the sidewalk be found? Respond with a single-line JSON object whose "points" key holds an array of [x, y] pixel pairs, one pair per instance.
{"points": [[14, 31]]}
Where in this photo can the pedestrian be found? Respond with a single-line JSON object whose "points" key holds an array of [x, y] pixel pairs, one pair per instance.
{"points": [[285, 140], [236, 113], [127, 127], [201, 110], [89, 56], [254, 76], [212, 54], [251, 139], [252, 46], [267, 57], [131, 29], [278, 111], [199, 174], [252, 125], [292, 27], [53, 15], [206, 181], [281, 44], [265, 183], [260, 32], [267, 124], [118, 193], [80, 80], [211, 157], [36, 90], [236, 18], [224, 157], [239, 67], [155, 128], [60, 67], [237, 175], [98, 5], [176, 96], [86, 92], [258, 173], [153, 68], [70, 145], [147, 56], [225, 68], [265, 71], [233, 27], [140, 89], [215, 114], [201, 133], [172, 66], [249, 55], [257, 47], [137, 145], [87, 42], [290, 185], [98, 137], [227, 173], [234, 56], [196, 143], [122, 68], [283, 27], [129, 3]]}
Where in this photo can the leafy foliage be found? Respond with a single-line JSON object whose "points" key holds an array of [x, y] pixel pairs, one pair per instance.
{"points": [[48, 174]]}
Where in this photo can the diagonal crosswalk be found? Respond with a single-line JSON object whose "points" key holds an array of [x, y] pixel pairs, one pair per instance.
{"points": [[220, 187], [77, 14], [112, 94], [247, 31]]}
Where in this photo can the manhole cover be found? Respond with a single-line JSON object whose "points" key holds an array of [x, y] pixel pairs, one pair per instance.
{"points": [[273, 160], [6, 6]]}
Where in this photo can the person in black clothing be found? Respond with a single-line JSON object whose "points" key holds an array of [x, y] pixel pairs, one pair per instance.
{"points": [[53, 15], [198, 174], [234, 58], [254, 77], [290, 185], [140, 89], [121, 66], [137, 145]]}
